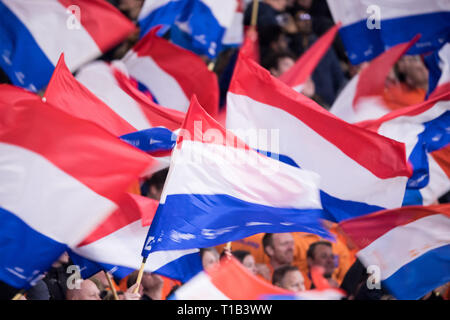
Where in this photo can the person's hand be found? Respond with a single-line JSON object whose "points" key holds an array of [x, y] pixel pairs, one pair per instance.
{"points": [[130, 295]]}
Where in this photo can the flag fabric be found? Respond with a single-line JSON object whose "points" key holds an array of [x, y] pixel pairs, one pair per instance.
{"points": [[361, 171], [234, 35], [33, 34], [425, 131], [219, 190], [362, 98], [438, 64], [116, 245], [51, 199], [172, 74], [369, 28], [110, 83], [250, 47], [299, 73], [410, 246], [158, 142], [228, 280], [197, 25]]}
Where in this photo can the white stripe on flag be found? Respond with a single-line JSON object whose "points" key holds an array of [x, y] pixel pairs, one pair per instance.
{"points": [[98, 78], [216, 169], [47, 22], [317, 154], [162, 85], [38, 192], [430, 232]]}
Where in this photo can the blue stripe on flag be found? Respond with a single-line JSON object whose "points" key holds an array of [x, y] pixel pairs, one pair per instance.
{"points": [[185, 220], [363, 44], [24, 252], [420, 276], [197, 30], [151, 140], [164, 15], [435, 136], [21, 58]]}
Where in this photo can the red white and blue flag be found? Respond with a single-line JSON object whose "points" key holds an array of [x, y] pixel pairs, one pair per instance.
{"points": [[362, 98], [220, 190], [116, 244], [410, 246], [361, 171], [172, 74], [425, 131], [33, 34], [369, 28], [61, 177]]}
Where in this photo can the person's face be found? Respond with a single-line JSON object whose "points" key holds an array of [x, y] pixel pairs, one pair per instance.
{"points": [[283, 248], [324, 257], [89, 291], [284, 64], [249, 263], [303, 21], [279, 5], [293, 281], [209, 259], [154, 193], [151, 280]]}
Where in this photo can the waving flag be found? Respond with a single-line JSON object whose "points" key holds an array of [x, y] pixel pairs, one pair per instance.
{"points": [[361, 171], [229, 280], [370, 28], [51, 196], [425, 130], [172, 74], [299, 73], [219, 190], [110, 84], [197, 25], [410, 245], [438, 65], [362, 98], [234, 35], [116, 245], [250, 47], [33, 34]]}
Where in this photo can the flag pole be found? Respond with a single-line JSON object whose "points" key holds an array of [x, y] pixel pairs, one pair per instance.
{"points": [[111, 285], [254, 20], [228, 249], [211, 66], [18, 295], [140, 274]]}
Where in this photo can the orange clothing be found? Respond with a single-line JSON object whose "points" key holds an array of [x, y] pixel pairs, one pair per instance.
{"points": [[167, 286], [400, 95], [253, 244], [302, 240]]}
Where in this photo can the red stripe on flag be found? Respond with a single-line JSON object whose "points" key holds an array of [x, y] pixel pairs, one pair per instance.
{"points": [[131, 208], [372, 79], [156, 115], [384, 157], [67, 94], [305, 65], [366, 229], [237, 283], [105, 24], [80, 148], [185, 67]]}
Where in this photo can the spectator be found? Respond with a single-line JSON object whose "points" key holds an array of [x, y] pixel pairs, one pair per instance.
{"points": [[320, 254], [246, 259], [288, 277], [56, 278], [209, 257], [328, 76], [153, 187], [151, 285], [279, 247], [87, 291]]}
